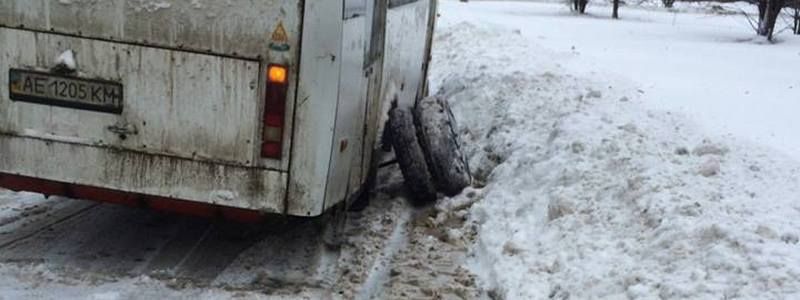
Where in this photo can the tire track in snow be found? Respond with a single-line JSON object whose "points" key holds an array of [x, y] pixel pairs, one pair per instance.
{"points": [[60, 216], [379, 272]]}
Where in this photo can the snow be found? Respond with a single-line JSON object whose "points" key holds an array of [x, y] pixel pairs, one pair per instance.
{"points": [[632, 166], [67, 60], [39, 282], [710, 67]]}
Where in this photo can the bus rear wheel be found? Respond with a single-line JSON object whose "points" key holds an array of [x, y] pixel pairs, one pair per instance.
{"points": [[410, 156], [436, 131], [427, 149]]}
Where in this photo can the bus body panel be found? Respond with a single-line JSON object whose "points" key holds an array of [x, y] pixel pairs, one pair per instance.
{"points": [[193, 77]]}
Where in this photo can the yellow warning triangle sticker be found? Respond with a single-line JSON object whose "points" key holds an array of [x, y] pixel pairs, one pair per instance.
{"points": [[279, 35]]}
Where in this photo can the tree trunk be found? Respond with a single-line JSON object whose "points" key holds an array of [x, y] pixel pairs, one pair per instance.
{"points": [[762, 9], [771, 12], [575, 5], [615, 13], [582, 6], [797, 20]]}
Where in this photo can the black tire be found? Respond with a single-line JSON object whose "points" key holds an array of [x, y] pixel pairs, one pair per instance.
{"points": [[410, 156], [437, 136]]}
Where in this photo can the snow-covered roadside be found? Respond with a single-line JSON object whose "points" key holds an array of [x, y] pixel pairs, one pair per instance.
{"points": [[39, 282], [15, 206], [58, 248], [710, 67], [592, 195]]}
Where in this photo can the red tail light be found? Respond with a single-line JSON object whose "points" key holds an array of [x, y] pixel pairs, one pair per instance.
{"points": [[274, 109]]}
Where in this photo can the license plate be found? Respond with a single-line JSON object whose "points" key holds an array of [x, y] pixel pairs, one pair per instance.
{"points": [[65, 91]]}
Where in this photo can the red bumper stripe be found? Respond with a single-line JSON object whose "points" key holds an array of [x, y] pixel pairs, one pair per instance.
{"points": [[54, 188]]}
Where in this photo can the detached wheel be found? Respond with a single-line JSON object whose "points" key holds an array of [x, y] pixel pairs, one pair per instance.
{"points": [[437, 136], [410, 155]]}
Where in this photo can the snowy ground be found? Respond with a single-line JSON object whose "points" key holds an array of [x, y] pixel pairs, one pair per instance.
{"points": [[648, 157], [710, 67], [625, 159], [60, 248], [69, 249]]}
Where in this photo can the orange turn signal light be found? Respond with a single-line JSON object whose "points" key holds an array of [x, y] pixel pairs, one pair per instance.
{"points": [[277, 74]]}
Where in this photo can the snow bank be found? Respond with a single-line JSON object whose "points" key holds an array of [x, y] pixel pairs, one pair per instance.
{"points": [[591, 195], [710, 67]]}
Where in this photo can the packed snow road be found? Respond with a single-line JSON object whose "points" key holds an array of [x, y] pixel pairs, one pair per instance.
{"points": [[60, 248]]}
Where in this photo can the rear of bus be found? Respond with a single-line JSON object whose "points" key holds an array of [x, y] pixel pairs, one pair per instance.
{"points": [[177, 105]]}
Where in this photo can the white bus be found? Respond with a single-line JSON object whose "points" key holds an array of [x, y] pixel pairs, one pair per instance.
{"points": [[237, 109]]}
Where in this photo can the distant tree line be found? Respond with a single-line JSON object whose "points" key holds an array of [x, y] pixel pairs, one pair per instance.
{"points": [[769, 11]]}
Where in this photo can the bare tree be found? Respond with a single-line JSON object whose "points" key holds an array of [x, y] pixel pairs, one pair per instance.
{"points": [[768, 16], [794, 15], [762, 10], [615, 13], [580, 5]]}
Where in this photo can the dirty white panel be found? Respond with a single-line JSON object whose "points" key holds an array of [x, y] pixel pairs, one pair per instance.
{"points": [[248, 188], [233, 27], [345, 172], [12, 41], [15, 13], [75, 146], [190, 108], [179, 104], [376, 15], [315, 110], [406, 37]]}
